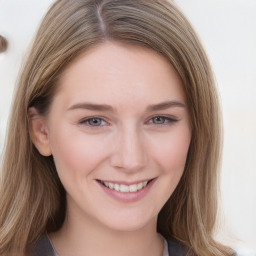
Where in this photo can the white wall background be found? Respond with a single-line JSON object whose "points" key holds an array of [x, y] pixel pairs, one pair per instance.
{"points": [[227, 29]]}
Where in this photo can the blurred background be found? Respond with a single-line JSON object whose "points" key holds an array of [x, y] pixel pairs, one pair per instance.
{"points": [[227, 29]]}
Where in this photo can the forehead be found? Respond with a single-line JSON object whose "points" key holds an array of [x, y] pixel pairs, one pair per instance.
{"points": [[115, 71]]}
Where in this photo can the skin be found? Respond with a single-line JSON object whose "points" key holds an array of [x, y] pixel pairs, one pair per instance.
{"points": [[135, 137]]}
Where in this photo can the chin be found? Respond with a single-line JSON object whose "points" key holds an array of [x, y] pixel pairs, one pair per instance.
{"points": [[130, 222]]}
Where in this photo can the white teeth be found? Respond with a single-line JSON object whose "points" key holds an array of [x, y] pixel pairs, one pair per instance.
{"points": [[110, 185], [133, 188], [116, 187], [140, 185], [125, 188]]}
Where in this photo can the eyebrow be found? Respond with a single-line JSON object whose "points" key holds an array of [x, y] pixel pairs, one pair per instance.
{"points": [[165, 105], [91, 106], [104, 107]]}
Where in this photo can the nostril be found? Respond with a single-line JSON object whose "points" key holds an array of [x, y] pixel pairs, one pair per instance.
{"points": [[3, 44]]}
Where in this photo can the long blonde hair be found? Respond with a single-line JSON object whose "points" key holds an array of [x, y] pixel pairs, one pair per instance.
{"points": [[32, 198]]}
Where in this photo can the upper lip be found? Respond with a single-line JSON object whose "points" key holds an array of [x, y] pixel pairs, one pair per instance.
{"points": [[126, 182]]}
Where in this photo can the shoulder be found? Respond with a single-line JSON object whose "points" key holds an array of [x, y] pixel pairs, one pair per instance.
{"points": [[176, 248], [42, 247]]}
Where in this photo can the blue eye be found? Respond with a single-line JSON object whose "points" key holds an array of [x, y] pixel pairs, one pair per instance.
{"points": [[161, 120], [94, 121]]}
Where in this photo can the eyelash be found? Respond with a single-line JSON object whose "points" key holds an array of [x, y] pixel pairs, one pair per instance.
{"points": [[167, 120]]}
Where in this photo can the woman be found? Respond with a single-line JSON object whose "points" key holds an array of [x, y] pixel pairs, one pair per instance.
{"points": [[114, 138]]}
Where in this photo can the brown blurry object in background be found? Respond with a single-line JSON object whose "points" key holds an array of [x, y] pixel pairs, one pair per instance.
{"points": [[3, 44]]}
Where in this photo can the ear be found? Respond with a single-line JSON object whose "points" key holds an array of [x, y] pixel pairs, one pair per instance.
{"points": [[38, 132]]}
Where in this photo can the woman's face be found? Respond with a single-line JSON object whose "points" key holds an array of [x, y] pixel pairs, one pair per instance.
{"points": [[118, 129]]}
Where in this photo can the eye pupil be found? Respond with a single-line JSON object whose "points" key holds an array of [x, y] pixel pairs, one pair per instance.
{"points": [[95, 121], [158, 120]]}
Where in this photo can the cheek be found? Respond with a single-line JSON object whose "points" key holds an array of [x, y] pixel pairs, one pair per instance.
{"points": [[171, 156], [76, 153], [170, 152]]}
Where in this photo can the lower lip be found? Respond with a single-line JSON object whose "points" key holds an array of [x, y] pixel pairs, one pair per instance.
{"points": [[128, 197]]}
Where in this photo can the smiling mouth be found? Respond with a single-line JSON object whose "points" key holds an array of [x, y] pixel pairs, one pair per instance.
{"points": [[125, 188]]}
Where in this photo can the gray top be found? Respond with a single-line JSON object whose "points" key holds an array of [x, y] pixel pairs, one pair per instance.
{"points": [[43, 247]]}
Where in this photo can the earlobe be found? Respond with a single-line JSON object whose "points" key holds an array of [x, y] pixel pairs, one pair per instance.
{"points": [[38, 132]]}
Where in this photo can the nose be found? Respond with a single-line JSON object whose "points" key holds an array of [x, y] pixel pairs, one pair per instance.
{"points": [[129, 152]]}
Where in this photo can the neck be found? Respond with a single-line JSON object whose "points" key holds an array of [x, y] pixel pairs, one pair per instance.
{"points": [[83, 235]]}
